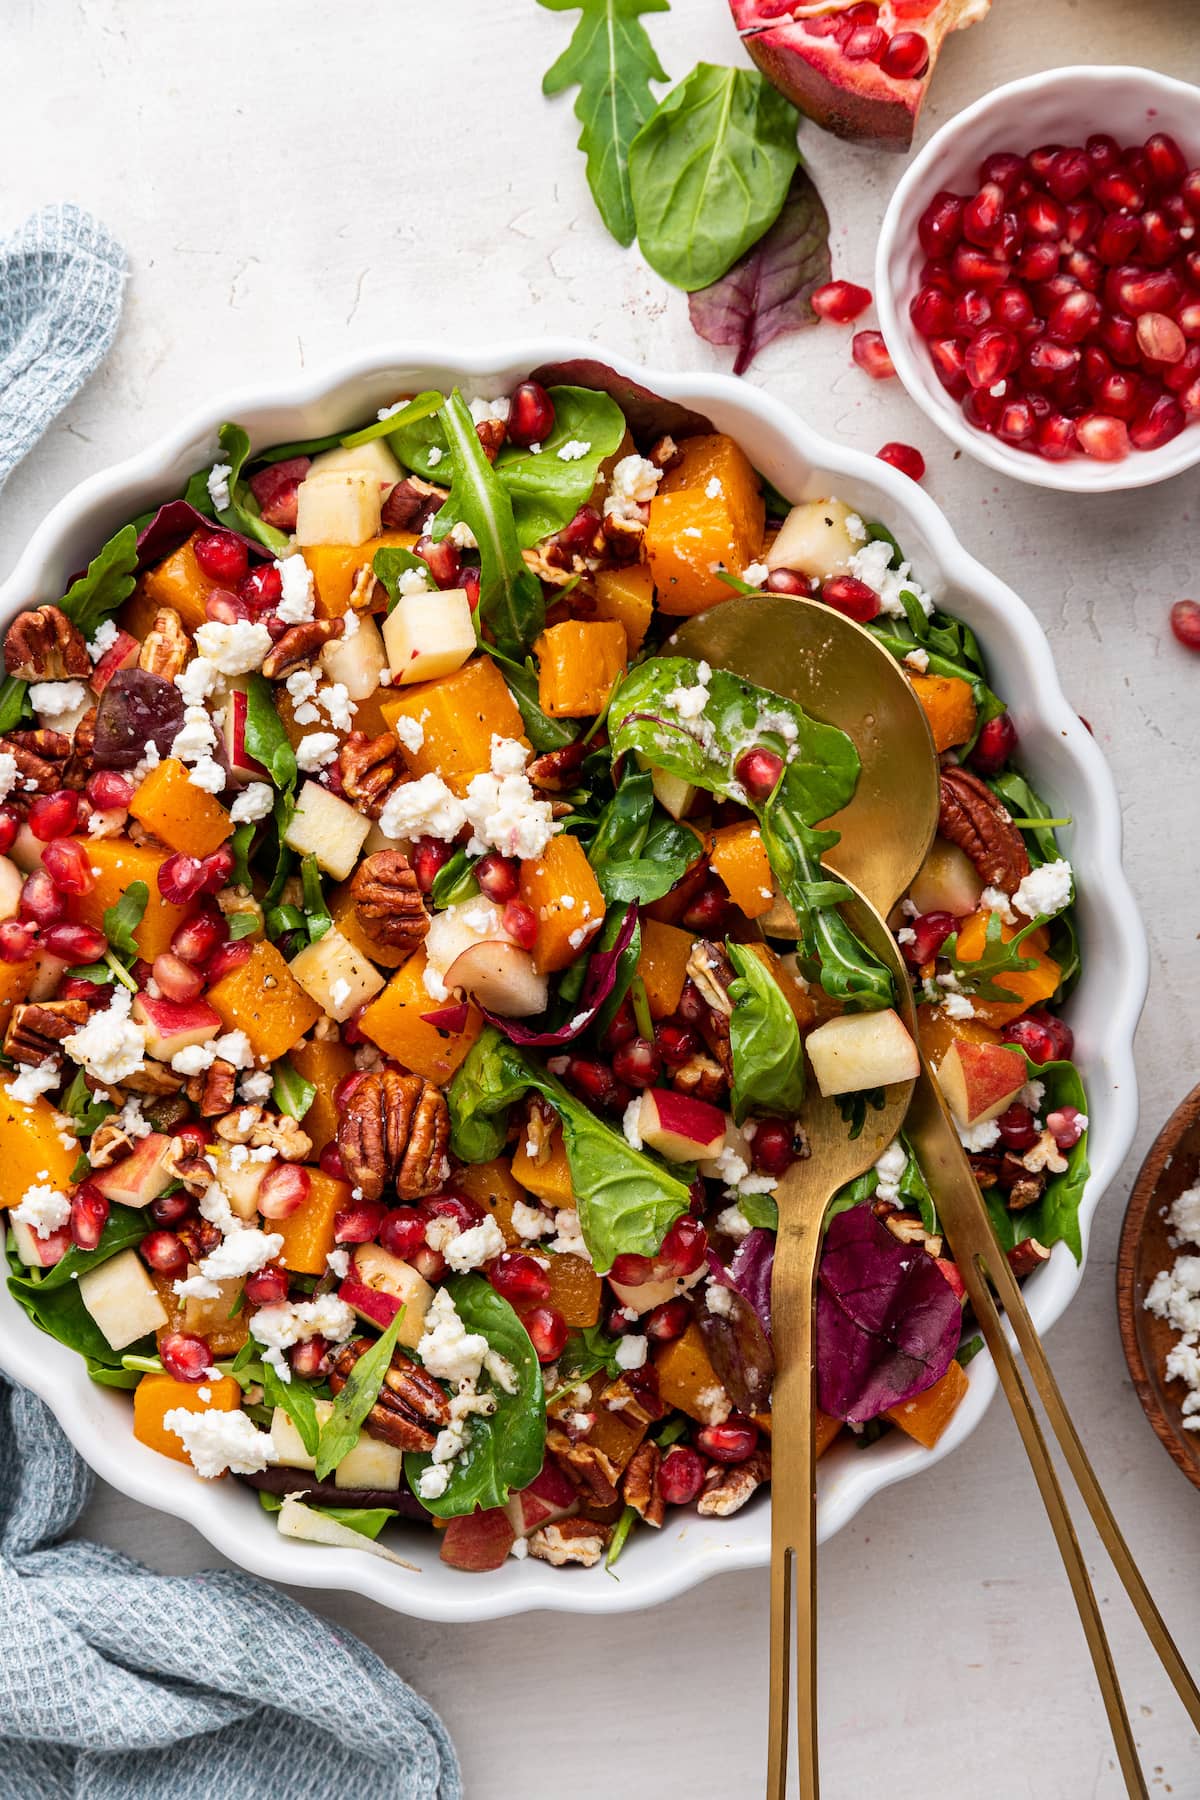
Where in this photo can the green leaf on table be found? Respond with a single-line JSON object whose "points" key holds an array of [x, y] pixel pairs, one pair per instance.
{"points": [[612, 62], [289, 1090], [107, 584], [298, 1402], [339, 1433], [242, 514], [510, 595], [266, 740], [709, 172], [122, 919], [764, 1042]]}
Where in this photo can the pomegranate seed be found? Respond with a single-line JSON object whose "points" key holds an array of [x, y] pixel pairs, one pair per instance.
{"points": [[971, 311], [66, 863], [990, 355], [932, 312], [1041, 159], [403, 1232], [308, 1358], [1137, 291], [1083, 222], [1037, 262], [283, 1190], [1159, 338], [683, 1249], [1016, 423], [1160, 241], [1085, 269], [1164, 420], [230, 957], [708, 912], [637, 1063], [1045, 360], [593, 1081], [267, 1287], [224, 608], [54, 815], [904, 457], [930, 931], [773, 1146], [1104, 438], [444, 560], [1066, 1126], [1185, 624], [1119, 191], [949, 365], [547, 1332], [847, 594], [1189, 399], [1119, 337], [871, 354], [465, 1213], [1118, 395], [1118, 236], [1072, 317], [530, 414], [759, 770], [1018, 1132], [176, 978], [680, 1476], [621, 1029], [520, 1279], [906, 57], [631, 1270], [675, 1043], [108, 791], [163, 1252], [221, 556], [1042, 1036], [733, 1442], [171, 1209], [195, 940], [1005, 168], [866, 43], [216, 870], [41, 901], [74, 943], [184, 1356], [429, 857], [262, 588], [16, 941], [1068, 174], [10, 824], [995, 745], [89, 1216], [1097, 366], [940, 225], [983, 214], [789, 581], [1188, 319], [580, 533], [840, 301], [668, 1321], [498, 876], [330, 1163], [180, 878], [1103, 152], [358, 1224], [520, 923]]}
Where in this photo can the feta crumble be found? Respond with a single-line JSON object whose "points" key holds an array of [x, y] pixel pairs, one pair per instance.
{"points": [[574, 450], [502, 809], [632, 485], [33, 1080], [218, 486], [1045, 891], [55, 699], [296, 603], [870, 564], [316, 751], [43, 1209], [253, 803], [216, 1441], [890, 1171], [238, 648], [110, 1046]]}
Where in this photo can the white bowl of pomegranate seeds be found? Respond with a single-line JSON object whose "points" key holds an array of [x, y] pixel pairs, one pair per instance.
{"points": [[1038, 278]]}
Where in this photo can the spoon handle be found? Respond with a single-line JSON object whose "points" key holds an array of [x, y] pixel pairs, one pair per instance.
{"points": [[793, 1491]]}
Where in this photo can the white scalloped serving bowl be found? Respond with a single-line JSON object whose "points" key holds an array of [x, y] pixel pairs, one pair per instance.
{"points": [[1060, 755]]}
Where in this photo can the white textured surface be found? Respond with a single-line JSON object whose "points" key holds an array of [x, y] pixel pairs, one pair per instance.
{"points": [[282, 202]]}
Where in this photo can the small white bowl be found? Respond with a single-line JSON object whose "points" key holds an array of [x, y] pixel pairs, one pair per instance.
{"points": [[1061, 106]]}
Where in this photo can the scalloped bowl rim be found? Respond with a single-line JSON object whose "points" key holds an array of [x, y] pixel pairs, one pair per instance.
{"points": [[895, 265], [656, 1566]]}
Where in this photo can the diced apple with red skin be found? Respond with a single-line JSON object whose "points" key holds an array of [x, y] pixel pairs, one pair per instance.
{"points": [[40, 1252], [980, 1081], [861, 1050], [122, 653], [11, 883], [139, 1177], [379, 1284], [650, 1294], [175, 1025], [242, 766], [478, 1542], [501, 977], [548, 1498], [953, 1275], [680, 1128]]}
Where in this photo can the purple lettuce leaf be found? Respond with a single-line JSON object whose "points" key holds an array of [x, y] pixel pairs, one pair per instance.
{"points": [[647, 414], [768, 291], [739, 1341], [887, 1320], [603, 967], [172, 525]]}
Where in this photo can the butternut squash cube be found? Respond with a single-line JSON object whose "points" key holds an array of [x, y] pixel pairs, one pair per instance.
{"points": [[324, 1062], [172, 808], [308, 1233], [708, 511], [157, 1395], [33, 1149], [662, 965], [686, 1377], [459, 715], [178, 581], [805, 1009], [494, 1186], [393, 1021], [16, 979], [739, 859], [1028, 986], [579, 662], [574, 1289], [938, 1032], [927, 1415], [949, 705], [118, 863], [626, 594], [561, 887], [263, 998], [337, 570], [714, 458], [549, 1180]]}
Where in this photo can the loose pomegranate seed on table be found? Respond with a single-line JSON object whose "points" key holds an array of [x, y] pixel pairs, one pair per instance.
{"points": [[904, 457], [1185, 626], [872, 355], [840, 301]]}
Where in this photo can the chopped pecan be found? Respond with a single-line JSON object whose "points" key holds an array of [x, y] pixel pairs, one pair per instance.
{"points": [[1025, 1192], [43, 645], [107, 1143], [553, 565], [540, 1124], [39, 756], [211, 1092], [394, 1128], [587, 1466], [570, 1541], [370, 769], [491, 434], [1045, 1154], [635, 1396], [985, 1169], [972, 817], [727, 1487], [907, 1227], [165, 646], [387, 900], [37, 1028], [411, 1408], [153, 1078], [701, 1077], [83, 742], [664, 453], [300, 644], [1027, 1256], [624, 536], [555, 771], [639, 1488], [183, 1163], [275, 1131], [711, 971], [199, 1238], [411, 504]]}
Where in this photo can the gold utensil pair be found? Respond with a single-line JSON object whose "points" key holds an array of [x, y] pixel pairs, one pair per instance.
{"points": [[839, 673]]}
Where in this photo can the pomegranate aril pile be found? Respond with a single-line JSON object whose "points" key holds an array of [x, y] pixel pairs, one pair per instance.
{"points": [[1060, 301]]}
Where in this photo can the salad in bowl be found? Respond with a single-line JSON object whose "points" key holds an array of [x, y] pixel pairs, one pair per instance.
{"points": [[411, 969]]}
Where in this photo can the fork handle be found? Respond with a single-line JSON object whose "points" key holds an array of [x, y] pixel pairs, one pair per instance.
{"points": [[793, 1504]]}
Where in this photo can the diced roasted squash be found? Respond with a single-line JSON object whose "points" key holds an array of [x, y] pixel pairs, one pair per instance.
{"points": [[662, 965], [393, 1021], [708, 514], [220, 1318], [173, 809], [716, 458], [157, 1395], [949, 705], [738, 857], [308, 1233], [459, 715], [493, 1185], [561, 887], [34, 1152], [549, 1180], [324, 1062], [263, 998], [16, 979], [1028, 986], [626, 594], [116, 864], [579, 662], [825, 1429], [807, 1004], [939, 1031], [179, 582], [686, 1377], [574, 1289], [927, 1415], [345, 918]]}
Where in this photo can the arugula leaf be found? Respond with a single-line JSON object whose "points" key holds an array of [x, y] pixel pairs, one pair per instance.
{"points": [[958, 657], [510, 595], [291, 1093], [242, 514], [543, 732], [637, 852], [108, 583], [421, 407], [298, 1402], [612, 62], [369, 1520], [588, 1350], [242, 924], [240, 843], [505, 1448], [709, 172], [1023, 803], [760, 1210], [997, 957], [317, 917], [266, 740], [390, 563], [122, 919], [764, 1042], [339, 1433], [620, 1537]]}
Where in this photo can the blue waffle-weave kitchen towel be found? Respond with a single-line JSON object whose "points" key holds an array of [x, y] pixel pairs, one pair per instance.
{"points": [[61, 280]]}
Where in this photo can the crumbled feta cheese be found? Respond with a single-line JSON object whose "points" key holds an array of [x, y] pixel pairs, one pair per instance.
{"points": [[423, 808], [130, 1119], [256, 1087], [1045, 891], [110, 1046], [410, 731], [253, 803], [462, 535], [502, 809], [216, 1441], [733, 1222], [238, 648], [631, 1351], [994, 899], [530, 1222], [574, 450], [477, 1245], [484, 411], [890, 1171], [302, 684], [918, 661], [338, 707], [239, 1254], [855, 529], [978, 1137], [755, 573], [1032, 1095], [631, 1123], [433, 455], [690, 702], [54, 699], [218, 486], [714, 488], [43, 1209], [568, 1239], [958, 1006], [718, 1299], [33, 1080], [448, 1350], [105, 638], [632, 485], [870, 564], [389, 412], [8, 773], [296, 603], [337, 1261], [291, 1322], [316, 751]]}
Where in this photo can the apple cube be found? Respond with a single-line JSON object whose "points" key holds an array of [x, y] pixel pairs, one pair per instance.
{"points": [[46, 976], [309, 1526], [548, 1498], [650, 1294], [341, 506], [122, 1299], [139, 1177], [379, 1284], [374, 459], [500, 977], [356, 661], [122, 653], [427, 635], [680, 1128], [289, 1446], [339, 978], [370, 1463], [673, 793], [40, 1252], [814, 540], [861, 1050], [174, 1025], [240, 1186], [947, 881], [242, 766], [478, 1541], [327, 828], [26, 850], [11, 882], [980, 1081]]}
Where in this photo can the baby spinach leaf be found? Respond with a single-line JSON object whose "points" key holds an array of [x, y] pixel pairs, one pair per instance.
{"points": [[1024, 804], [709, 172], [543, 732], [290, 1092], [589, 1350], [491, 1078], [14, 702], [82, 1109], [505, 1448], [296, 1399], [764, 1041], [104, 1376], [52, 1300], [351, 1406], [395, 424], [768, 291], [122, 919], [454, 881], [266, 739], [612, 62], [107, 584], [639, 853], [510, 595], [391, 563], [759, 1210], [242, 513], [241, 844]]}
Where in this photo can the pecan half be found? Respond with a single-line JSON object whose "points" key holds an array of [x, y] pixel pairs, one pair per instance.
{"points": [[1025, 1192], [165, 646], [411, 1407], [299, 644], [592, 1471], [639, 1489], [540, 1124], [581, 1541], [491, 434], [701, 1077], [394, 1128], [183, 1163], [43, 645], [411, 504], [211, 1092], [370, 768], [39, 756], [972, 817], [83, 742], [624, 536], [728, 1487], [1045, 1154], [387, 900], [555, 771], [37, 1028]]}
